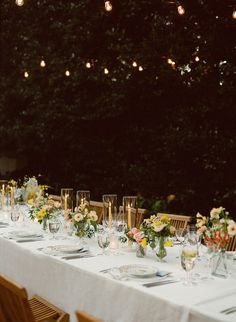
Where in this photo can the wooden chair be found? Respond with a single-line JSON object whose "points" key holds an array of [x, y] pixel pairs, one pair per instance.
{"points": [[98, 207], [15, 306], [55, 198], [178, 221], [85, 317], [232, 244]]}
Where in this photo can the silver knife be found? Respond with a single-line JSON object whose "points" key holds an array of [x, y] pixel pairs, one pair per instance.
{"points": [[28, 240], [160, 283], [76, 256]]}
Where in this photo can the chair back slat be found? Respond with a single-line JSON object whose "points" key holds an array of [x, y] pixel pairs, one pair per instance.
{"points": [[85, 317], [232, 244], [13, 302]]}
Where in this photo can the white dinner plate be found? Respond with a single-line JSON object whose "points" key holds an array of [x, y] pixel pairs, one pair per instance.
{"points": [[140, 271], [24, 234], [63, 249]]}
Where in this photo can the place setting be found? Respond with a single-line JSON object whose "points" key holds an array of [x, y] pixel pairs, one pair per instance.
{"points": [[21, 236], [66, 252], [147, 276]]}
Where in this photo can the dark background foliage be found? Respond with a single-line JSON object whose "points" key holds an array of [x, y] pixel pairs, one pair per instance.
{"points": [[166, 129]]}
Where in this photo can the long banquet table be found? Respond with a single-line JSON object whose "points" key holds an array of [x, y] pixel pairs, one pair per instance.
{"points": [[78, 283]]}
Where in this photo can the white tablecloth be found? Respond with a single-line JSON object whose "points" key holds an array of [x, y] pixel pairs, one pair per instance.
{"points": [[79, 284]]}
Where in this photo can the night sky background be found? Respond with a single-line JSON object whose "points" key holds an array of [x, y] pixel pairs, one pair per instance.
{"points": [[139, 99]]}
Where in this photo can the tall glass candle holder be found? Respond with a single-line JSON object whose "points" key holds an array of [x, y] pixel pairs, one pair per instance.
{"points": [[130, 209], [67, 198], [3, 196], [109, 210], [82, 197]]}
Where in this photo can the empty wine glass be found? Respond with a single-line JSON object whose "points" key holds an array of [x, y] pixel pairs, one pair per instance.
{"points": [[103, 237], [54, 226], [189, 254], [15, 215], [181, 235]]}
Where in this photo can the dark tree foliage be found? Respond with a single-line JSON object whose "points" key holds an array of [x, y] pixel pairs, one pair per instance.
{"points": [[164, 129]]}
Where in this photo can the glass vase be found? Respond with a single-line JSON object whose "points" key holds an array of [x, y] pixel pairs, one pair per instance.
{"points": [[219, 264], [45, 225], [160, 249], [140, 251]]}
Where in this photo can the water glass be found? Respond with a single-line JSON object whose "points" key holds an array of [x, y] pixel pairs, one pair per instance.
{"points": [[15, 215], [103, 238], [54, 226], [189, 254]]}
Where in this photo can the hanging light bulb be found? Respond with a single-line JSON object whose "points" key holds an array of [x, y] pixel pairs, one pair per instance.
{"points": [[26, 74], [234, 14], [181, 10], [169, 61], [42, 63], [108, 6], [134, 64], [67, 73], [20, 3], [197, 58], [140, 68], [106, 71], [88, 65]]}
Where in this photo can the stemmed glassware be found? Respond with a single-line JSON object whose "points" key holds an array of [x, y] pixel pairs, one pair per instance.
{"points": [[54, 226], [189, 255], [181, 235], [103, 237], [15, 215]]}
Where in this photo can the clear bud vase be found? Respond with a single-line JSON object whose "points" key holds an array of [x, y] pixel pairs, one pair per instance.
{"points": [[160, 249], [219, 264], [140, 251]]}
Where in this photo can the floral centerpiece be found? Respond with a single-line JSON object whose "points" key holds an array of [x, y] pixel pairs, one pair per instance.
{"points": [[137, 236], [157, 229], [29, 190], [217, 229], [83, 220], [44, 209]]}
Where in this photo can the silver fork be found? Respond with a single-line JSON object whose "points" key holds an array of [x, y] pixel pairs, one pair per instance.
{"points": [[229, 310]]}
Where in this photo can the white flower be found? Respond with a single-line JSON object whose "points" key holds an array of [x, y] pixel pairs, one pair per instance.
{"points": [[232, 229], [215, 212], [92, 215], [78, 217]]}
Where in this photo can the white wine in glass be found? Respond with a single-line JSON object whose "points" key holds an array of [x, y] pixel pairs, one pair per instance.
{"points": [[189, 254]]}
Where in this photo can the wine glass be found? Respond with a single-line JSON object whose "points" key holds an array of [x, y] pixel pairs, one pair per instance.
{"points": [[189, 254], [103, 237], [181, 235], [15, 215], [54, 226]]}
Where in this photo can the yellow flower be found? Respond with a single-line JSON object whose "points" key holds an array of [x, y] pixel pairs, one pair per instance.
{"points": [[169, 243], [31, 201], [165, 219], [144, 242], [41, 214]]}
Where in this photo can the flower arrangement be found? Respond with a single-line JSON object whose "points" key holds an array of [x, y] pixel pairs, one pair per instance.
{"points": [[29, 190], [83, 220], [44, 209], [217, 229], [137, 236], [157, 226]]}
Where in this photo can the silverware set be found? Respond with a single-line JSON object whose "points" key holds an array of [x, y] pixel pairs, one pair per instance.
{"points": [[162, 282], [229, 310]]}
